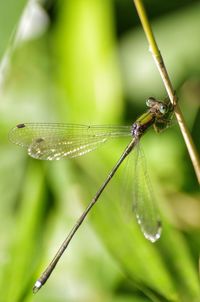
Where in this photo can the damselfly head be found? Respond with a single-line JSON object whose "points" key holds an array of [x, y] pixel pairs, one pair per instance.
{"points": [[163, 108], [150, 102], [157, 106]]}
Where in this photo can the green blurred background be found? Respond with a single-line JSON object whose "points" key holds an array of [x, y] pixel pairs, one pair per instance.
{"points": [[87, 61]]}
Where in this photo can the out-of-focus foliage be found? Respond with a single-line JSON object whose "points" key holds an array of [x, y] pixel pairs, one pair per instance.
{"points": [[87, 62]]}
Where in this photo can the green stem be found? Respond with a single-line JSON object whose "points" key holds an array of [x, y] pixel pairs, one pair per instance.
{"points": [[168, 86]]}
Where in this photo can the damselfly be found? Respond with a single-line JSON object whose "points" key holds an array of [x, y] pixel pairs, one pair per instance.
{"points": [[56, 141]]}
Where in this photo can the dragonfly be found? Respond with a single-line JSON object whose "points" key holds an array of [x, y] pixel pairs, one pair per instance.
{"points": [[54, 141]]}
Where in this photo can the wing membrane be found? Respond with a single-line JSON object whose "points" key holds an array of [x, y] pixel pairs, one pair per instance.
{"points": [[54, 141], [144, 200]]}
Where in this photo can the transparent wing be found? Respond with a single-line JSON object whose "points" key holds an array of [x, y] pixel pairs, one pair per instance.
{"points": [[144, 200], [54, 141]]}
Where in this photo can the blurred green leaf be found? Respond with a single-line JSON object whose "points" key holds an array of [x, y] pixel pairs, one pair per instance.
{"points": [[10, 14], [85, 45], [24, 235]]}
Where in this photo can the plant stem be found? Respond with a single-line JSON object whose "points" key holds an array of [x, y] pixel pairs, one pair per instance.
{"points": [[168, 86]]}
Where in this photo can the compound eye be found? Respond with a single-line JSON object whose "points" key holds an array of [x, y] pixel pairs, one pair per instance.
{"points": [[163, 108], [150, 101]]}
